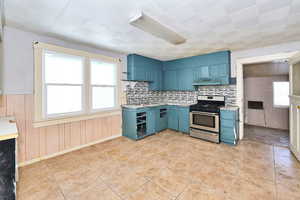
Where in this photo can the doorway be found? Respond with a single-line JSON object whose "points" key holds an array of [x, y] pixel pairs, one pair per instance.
{"points": [[266, 102], [294, 70]]}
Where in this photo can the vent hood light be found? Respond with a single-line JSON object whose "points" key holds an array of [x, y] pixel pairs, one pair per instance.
{"points": [[149, 25]]}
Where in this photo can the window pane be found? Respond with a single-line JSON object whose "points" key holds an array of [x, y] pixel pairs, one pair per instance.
{"points": [[281, 93], [103, 73], [103, 97], [61, 68], [63, 99]]}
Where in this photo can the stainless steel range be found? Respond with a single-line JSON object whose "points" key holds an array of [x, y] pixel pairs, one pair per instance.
{"points": [[205, 118]]}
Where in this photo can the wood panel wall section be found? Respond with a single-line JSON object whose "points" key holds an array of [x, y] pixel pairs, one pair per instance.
{"points": [[38, 143]]}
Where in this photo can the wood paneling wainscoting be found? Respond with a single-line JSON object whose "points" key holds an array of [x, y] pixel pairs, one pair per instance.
{"points": [[43, 142]]}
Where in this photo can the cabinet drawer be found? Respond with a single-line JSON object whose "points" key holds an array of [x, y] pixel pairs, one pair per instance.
{"points": [[228, 141], [227, 115], [227, 123], [227, 133]]}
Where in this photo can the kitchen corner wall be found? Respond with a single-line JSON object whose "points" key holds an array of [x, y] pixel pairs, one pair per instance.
{"points": [[139, 93]]}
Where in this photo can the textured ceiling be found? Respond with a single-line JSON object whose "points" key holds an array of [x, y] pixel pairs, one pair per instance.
{"points": [[208, 25]]}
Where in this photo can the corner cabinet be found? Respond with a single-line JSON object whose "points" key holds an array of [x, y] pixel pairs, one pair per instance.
{"points": [[138, 123], [230, 126], [142, 122], [141, 68]]}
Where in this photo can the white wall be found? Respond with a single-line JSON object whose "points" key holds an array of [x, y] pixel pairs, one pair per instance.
{"points": [[261, 89], [18, 67], [269, 50]]}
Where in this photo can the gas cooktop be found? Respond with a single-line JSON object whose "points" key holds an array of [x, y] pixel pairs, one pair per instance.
{"points": [[208, 104]]}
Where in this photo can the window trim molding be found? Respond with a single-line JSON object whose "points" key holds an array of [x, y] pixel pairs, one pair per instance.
{"points": [[39, 119]]}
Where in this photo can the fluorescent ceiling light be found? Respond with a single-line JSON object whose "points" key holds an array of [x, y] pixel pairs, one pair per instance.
{"points": [[149, 25]]}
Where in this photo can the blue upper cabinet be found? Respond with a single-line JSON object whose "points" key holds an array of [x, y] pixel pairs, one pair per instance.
{"points": [[185, 79], [208, 69], [141, 68], [170, 80], [180, 74]]}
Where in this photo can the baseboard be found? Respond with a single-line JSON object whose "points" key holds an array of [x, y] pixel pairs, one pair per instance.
{"points": [[29, 162]]}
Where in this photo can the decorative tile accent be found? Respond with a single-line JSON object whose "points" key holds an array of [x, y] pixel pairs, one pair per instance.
{"points": [[229, 91], [138, 93]]}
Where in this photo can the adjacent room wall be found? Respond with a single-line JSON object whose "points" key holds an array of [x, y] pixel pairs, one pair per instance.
{"points": [[18, 79], [261, 89]]}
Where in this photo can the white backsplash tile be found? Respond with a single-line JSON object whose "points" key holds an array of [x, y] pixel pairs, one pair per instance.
{"points": [[138, 93]]}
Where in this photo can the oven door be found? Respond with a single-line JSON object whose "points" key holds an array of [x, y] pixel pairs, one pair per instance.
{"points": [[204, 120]]}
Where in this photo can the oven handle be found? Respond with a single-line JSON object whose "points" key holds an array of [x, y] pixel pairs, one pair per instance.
{"points": [[205, 113]]}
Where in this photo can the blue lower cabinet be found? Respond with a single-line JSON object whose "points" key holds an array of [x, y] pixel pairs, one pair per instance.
{"points": [[162, 118], [151, 125], [172, 118], [229, 126], [178, 118], [184, 119], [137, 123]]}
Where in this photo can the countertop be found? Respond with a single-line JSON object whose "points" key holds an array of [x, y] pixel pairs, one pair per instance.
{"points": [[8, 129], [154, 105], [234, 108]]}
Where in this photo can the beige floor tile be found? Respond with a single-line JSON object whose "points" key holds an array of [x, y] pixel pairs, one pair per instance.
{"points": [[252, 190], [76, 184], [95, 192], [288, 191], [41, 190], [162, 167], [126, 184], [170, 181], [151, 191], [198, 191]]}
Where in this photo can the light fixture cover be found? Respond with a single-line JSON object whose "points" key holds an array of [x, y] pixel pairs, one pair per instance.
{"points": [[153, 27]]}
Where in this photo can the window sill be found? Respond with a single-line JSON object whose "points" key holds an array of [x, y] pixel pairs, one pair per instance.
{"points": [[69, 119], [274, 106]]}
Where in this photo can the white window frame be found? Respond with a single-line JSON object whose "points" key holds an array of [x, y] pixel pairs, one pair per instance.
{"points": [[273, 88], [40, 94], [97, 85], [83, 96]]}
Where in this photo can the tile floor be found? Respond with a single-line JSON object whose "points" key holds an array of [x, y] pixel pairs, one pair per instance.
{"points": [[267, 135], [165, 166]]}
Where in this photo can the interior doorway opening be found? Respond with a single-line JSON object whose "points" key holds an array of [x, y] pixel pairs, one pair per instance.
{"points": [[266, 102], [240, 63]]}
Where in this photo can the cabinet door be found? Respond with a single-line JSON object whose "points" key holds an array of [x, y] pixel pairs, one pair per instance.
{"points": [[185, 79], [201, 73], [173, 118], [163, 118], [170, 80], [139, 74], [220, 73], [129, 124], [151, 121], [184, 119], [156, 79]]}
